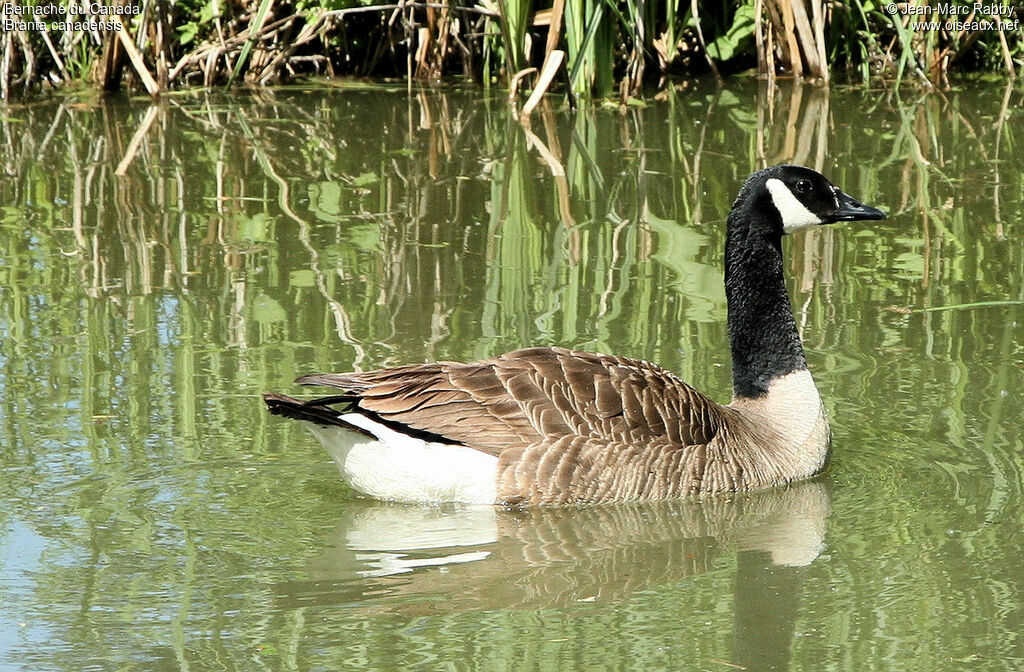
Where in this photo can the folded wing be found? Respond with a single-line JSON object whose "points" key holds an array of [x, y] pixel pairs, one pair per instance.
{"points": [[534, 396]]}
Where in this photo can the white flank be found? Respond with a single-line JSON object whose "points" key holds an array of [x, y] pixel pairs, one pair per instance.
{"points": [[795, 215], [402, 468]]}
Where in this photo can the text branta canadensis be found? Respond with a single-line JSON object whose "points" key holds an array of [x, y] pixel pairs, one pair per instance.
{"points": [[557, 426]]}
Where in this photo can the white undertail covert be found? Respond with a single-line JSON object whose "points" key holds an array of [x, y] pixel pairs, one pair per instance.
{"points": [[395, 466]]}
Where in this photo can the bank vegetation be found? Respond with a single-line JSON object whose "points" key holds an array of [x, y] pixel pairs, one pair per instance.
{"points": [[602, 48]]}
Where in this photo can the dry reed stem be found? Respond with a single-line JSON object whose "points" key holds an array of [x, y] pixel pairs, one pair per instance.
{"points": [[136, 58], [695, 12], [1007, 58], [762, 61], [554, 27], [547, 74], [792, 46], [805, 36], [423, 43], [5, 66], [818, 19], [513, 83], [29, 56], [53, 54]]}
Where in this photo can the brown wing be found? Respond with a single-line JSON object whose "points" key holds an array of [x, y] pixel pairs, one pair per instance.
{"points": [[533, 396]]}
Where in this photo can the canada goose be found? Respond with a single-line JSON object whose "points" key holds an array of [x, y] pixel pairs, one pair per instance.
{"points": [[557, 426]]}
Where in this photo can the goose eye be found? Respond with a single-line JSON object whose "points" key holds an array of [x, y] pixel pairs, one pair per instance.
{"points": [[803, 187]]}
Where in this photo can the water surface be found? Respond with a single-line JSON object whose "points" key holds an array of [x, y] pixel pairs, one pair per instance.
{"points": [[161, 266]]}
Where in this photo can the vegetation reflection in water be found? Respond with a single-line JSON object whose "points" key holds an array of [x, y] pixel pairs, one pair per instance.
{"points": [[157, 275]]}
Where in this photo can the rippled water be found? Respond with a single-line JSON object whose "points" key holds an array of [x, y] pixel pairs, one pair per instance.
{"points": [[160, 267]]}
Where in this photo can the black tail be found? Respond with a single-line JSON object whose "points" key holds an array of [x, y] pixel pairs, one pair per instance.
{"points": [[314, 410]]}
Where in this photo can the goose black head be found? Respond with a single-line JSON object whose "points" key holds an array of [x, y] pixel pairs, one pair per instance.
{"points": [[797, 198]]}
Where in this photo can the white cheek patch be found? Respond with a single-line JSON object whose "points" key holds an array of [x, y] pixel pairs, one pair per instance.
{"points": [[795, 215]]}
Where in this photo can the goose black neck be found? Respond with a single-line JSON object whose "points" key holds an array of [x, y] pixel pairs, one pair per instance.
{"points": [[762, 332]]}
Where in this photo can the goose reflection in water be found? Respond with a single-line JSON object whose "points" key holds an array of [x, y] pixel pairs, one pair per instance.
{"points": [[418, 561]]}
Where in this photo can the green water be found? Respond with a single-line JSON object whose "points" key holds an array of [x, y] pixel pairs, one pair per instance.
{"points": [[154, 282]]}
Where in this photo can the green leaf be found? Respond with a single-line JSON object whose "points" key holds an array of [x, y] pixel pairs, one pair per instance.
{"points": [[735, 40], [364, 179], [187, 32]]}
